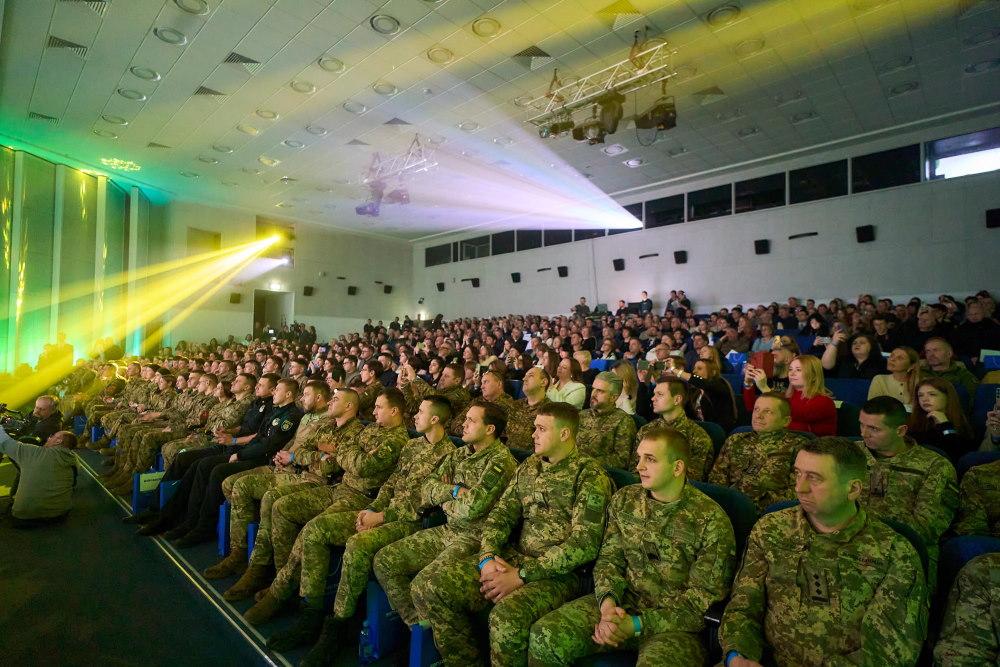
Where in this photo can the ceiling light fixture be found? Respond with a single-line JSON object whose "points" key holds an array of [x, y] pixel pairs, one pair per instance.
{"points": [[804, 116], [981, 37], [316, 130], [355, 107], [208, 159], [894, 65], [196, 7], [903, 88], [384, 24], [440, 55], [282, 204], [248, 129], [145, 73], [331, 64], [106, 134], [189, 174], [303, 87], [486, 27], [114, 120], [468, 126], [119, 164], [268, 161], [614, 149], [748, 131], [286, 180], [130, 94], [722, 16], [982, 66], [634, 162], [171, 36], [292, 143], [267, 114], [385, 88], [222, 148]]}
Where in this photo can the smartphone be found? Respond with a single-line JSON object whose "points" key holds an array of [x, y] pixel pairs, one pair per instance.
{"points": [[824, 340], [763, 361], [526, 337]]}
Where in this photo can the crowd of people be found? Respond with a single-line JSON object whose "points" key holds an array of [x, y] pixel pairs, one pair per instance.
{"points": [[354, 443]]}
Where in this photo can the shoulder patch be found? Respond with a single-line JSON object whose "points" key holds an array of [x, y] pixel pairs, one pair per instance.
{"points": [[274, 422], [261, 409], [285, 425], [593, 505]]}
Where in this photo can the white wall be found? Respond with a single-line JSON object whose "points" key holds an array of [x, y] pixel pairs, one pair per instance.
{"points": [[931, 238], [361, 259]]}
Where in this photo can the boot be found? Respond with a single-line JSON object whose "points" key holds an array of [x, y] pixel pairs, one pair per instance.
{"points": [[234, 563], [154, 527], [326, 648], [264, 610], [306, 630], [254, 578], [142, 518], [177, 532]]}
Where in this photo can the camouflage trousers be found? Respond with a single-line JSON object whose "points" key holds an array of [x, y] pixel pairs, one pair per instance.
{"points": [[172, 448], [396, 564], [334, 524], [95, 411], [359, 555], [446, 593], [259, 488], [564, 636], [138, 444], [114, 420]]}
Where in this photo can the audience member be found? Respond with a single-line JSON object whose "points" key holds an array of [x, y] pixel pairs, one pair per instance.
{"points": [[940, 363], [861, 360], [900, 382], [47, 474], [938, 420], [567, 387], [669, 398], [969, 635]]}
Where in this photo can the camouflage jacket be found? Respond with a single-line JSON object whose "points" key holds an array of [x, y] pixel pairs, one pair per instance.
{"points": [[608, 437], [322, 466], [162, 401], [968, 636], [308, 434], [457, 426], [979, 501], [702, 451], [551, 515], [416, 391], [370, 458], [366, 400], [227, 415], [856, 596], [521, 423], [666, 562], [399, 497], [484, 473], [759, 465]]}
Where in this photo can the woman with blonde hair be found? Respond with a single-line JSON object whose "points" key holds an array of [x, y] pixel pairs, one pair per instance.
{"points": [[901, 381], [630, 386], [812, 408]]}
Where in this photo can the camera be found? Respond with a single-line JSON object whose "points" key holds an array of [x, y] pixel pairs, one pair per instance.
{"points": [[14, 422]]}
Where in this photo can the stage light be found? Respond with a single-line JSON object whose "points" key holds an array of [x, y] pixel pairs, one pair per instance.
{"points": [[611, 111], [274, 286], [661, 116], [398, 196]]}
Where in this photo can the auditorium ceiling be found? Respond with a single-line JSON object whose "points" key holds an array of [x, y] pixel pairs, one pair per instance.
{"points": [[278, 106]]}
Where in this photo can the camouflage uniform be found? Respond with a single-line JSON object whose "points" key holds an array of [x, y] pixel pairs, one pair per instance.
{"points": [[97, 408], [548, 524], [138, 392], [970, 636], [521, 423], [366, 400], [417, 390], [186, 414], [457, 425], [220, 416], [917, 487], [702, 451], [856, 596], [130, 435], [268, 486], [485, 474], [666, 563], [979, 501], [607, 436], [759, 465]]}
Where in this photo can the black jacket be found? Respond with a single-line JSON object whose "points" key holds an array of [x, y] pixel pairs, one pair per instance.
{"points": [[275, 431]]}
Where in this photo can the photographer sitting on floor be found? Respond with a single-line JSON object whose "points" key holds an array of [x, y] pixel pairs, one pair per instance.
{"points": [[44, 493]]}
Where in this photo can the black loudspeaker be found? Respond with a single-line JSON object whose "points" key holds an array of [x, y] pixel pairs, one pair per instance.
{"points": [[515, 277], [440, 287], [351, 290], [387, 289], [563, 271], [680, 256], [235, 297], [993, 218], [762, 246], [865, 233], [475, 282], [619, 264], [307, 290]]}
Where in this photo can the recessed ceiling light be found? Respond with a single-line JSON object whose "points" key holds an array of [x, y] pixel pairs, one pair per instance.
{"points": [[287, 180], [292, 143], [303, 87], [251, 171], [803, 116], [196, 7], [282, 204], [268, 161], [486, 26], [248, 129], [634, 162], [982, 37], [107, 134], [222, 148], [267, 114], [723, 15], [903, 88], [119, 164], [674, 152], [894, 65], [781, 99], [232, 184], [982, 66], [114, 120], [614, 149], [468, 126], [189, 174], [522, 101], [866, 5], [428, 91], [385, 88], [748, 131], [440, 55], [331, 64], [145, 73], [130, 94], [748, 47], [316, 129], [208, 159], [384, 24], [171, 36], [355, 107], [503, 141]]}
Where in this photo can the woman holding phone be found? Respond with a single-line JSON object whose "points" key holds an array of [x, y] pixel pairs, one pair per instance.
{"points": [[860, 359]]}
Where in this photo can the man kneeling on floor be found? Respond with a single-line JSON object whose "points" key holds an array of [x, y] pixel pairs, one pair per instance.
{"points": [[48, 474]]}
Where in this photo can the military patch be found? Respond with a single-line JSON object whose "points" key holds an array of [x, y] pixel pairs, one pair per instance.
{"points": [[492, 476], [261, 409], [818, 589], [285, 425], [593, 508], [274, 422]]}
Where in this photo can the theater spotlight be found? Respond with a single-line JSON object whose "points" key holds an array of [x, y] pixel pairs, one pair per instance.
{"points": [[370, 208], [611, 111], [661, 116], [397, 196], [590, 130]]}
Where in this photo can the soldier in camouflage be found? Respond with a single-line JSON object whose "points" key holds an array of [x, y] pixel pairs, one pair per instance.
{"points": [[224, 417], [545, 527], [138, 397], [112, 397], [668, 554], [668, 402], [369, 389], [758, 463], [979, 501], [449, 385], [970, 635], [521, 419], [607, 432], [119, 478], [826, 582], [906, 482], [491, 383]]}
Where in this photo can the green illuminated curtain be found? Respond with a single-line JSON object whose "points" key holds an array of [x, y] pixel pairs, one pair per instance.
{"points": [[76, 261], [6, 203], [33, 274], [114, 254]]}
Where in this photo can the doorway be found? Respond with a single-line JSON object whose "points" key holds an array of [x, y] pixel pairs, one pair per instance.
{"points": [[271, 310]]}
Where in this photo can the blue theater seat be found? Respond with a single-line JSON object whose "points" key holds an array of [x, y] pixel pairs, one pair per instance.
{"points": [[222, 529], [386, 631]]}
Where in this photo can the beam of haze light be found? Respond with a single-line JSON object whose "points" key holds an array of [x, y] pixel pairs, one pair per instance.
{"points": [[257, 268]]}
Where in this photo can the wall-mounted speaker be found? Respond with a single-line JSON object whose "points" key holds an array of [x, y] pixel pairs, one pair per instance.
{"points": [[619, 264], [235, 297], [351, 290], [865, 233], [515, 277], [680, 257], [440, 287], [307, 290], [387, 289], [475, 282], [993, 218], [563, 271], [762, 246]]}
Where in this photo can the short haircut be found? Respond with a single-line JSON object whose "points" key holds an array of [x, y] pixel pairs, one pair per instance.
{"points": [[785, 407], [456, 369], [252, 379], [676, 443], [892, 409], [69, 439], [394, 398], [612, 379], [849, 459], [351, 396], [292, 385], [940, 341], [337, 373], [493, 415], [565, 415], [544, 374], [212, 378], [320, 388], [228, 363], [374, 367], [677, 386], [273, 378], [166, 376], [440, 408]]}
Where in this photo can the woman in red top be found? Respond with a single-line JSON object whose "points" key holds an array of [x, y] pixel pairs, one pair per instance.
{"points": [[812, 408]]}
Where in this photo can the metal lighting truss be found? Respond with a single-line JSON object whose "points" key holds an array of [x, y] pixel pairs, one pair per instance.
{"points": [[416, 159], [622, 77]]}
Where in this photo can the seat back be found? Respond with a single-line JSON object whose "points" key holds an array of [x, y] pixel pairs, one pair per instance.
{"points": [[849, 390], [738, 507], [985, 399], [974, 459], [716, 433], [520, 454], [621, 477], [515, 388], [639, 420], [847, 420], [602, 364]]}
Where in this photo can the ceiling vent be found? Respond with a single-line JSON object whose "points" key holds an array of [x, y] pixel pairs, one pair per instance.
{"points": [[34, 115], [533, 58], [396, 121], [357, 142], [619, 14], [709, 95], [97, 6], [244, 62], [59, 43], [202, 90], [153, 144]]}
